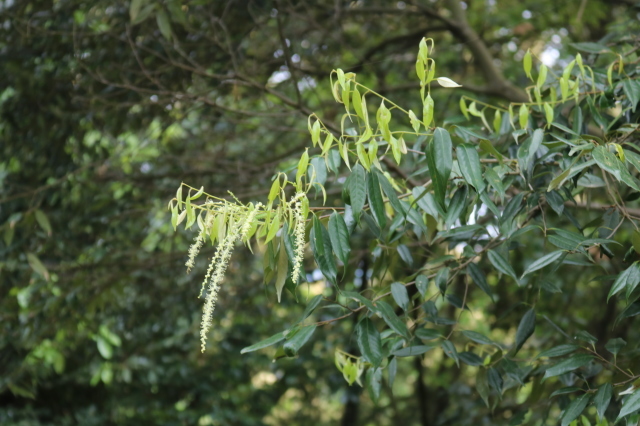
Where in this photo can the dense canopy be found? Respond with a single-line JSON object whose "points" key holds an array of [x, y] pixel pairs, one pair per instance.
{"points": [[475, 261]]}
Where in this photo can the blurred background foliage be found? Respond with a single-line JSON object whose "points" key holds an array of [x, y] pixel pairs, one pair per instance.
{"points": [[105, 107]]}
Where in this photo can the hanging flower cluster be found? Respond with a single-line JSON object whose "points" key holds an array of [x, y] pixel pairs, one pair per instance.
{"points": [[231, 222]]}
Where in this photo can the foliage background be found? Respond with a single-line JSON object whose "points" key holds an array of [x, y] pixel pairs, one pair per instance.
{"points": [[107, 106]]}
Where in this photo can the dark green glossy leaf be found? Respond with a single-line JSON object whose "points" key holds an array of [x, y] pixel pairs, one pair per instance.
{"points": [[478, 338], [427, 334], [564, 391], [412, 350], [558, 351], [265, 343], [469, 163], [322, 250], [360, 298], [501, 264], [525, 329], [376, 203], [450, 351], [482, 385], [311, 306], [369, 342], [574, 409], [405, 254], [456, 206], [293, 344], [470, 358], [422, 284], [614, 345], [572, 363], [374, 383], [400, 295], [603, 398], [357, 189], [478, 277], [392, 320], [543, 261], [339, 236], [630, 405], [388, 190]]}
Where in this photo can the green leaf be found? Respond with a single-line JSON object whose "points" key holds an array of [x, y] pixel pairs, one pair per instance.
{"points": [[479, 278], [427, 334], [322, 250], [311, 306], [574, 409], [456, 205], [495, 380], [422, 284], [440, 161], [376, 203], [470, 167], [572, 363], [585, 336], [360, 298], [614, 345], [495, 181], [105, 349], [388, 190], [450, 351], [37, 266], [501, 264], [526, 64], [603, 398], [610, 163], [590, 47], [339, 236], [369, 342], [564, 391], [632, 90], [163, 24], [412, 350], [357, 189], [374, 383], [525, 329], [630, 405], [293, 344], [442, 277], [405, 254], [470, 358], [43, 221], [543, 261], [400, 295], [389, 316], [482, 385], [478, 338], [621, 281], [558, 351], [265, 343]]}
